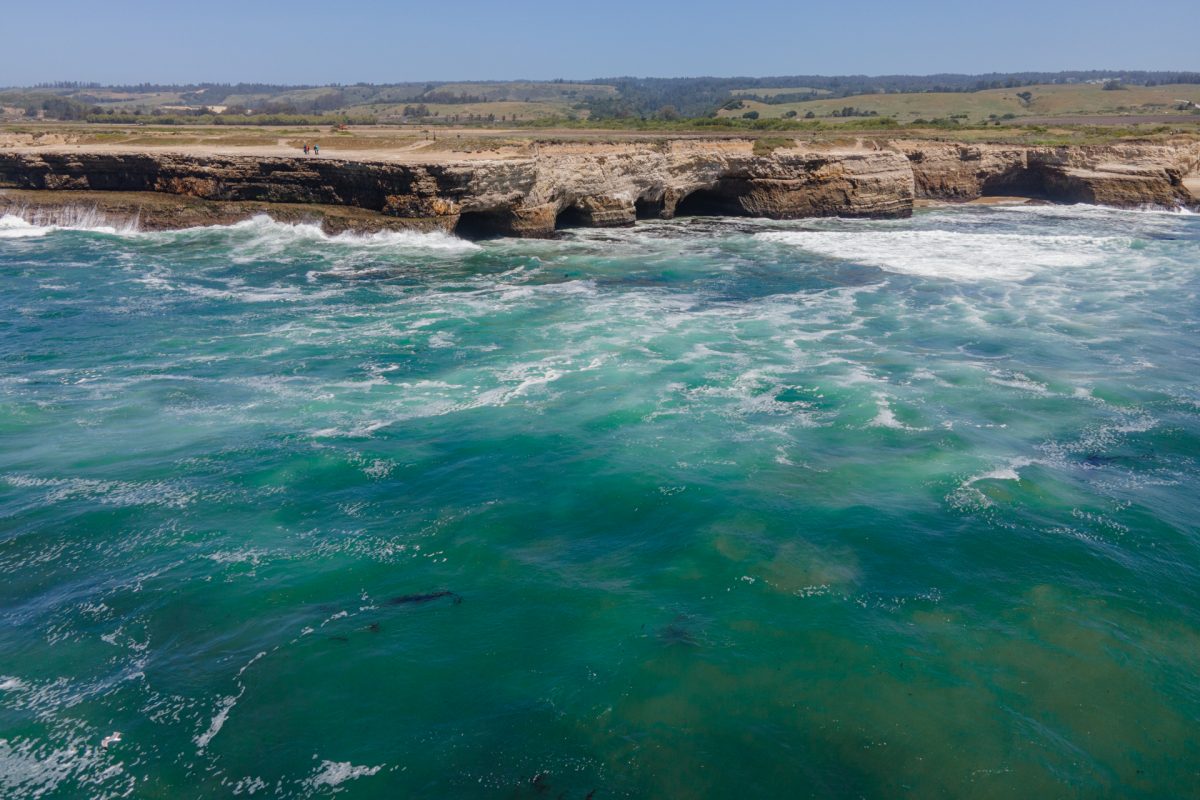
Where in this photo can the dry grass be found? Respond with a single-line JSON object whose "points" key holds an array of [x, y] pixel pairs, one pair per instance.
{"points": [[348, 141], [1048, 100], [474, 144], [435, 139]]}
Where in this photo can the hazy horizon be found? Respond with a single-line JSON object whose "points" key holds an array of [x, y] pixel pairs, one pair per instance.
{"points": [[584, 79], [309, 43]]}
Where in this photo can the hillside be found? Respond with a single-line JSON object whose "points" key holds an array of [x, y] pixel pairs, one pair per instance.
{"points": [[906, 99], [1041, 100]]}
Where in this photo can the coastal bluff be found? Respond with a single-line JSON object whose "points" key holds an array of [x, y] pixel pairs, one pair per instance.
{"points": [[584, 184]]}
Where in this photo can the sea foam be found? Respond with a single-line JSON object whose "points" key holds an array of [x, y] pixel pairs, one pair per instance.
{"points": [[30, 225], [258, 233], [263, 233], [953, 254]]}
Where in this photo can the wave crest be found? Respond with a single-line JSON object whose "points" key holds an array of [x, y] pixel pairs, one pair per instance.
{"points": [[266, 232], [261, 233]]}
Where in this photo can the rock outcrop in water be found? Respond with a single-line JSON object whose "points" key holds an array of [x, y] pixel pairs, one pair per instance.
{"points": [[592, 185]]}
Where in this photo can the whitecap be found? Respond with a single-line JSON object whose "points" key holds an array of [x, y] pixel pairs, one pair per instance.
{"points": [[1009, 471], [1017, 380], [332, 773], [885, 417], [10, 684]]}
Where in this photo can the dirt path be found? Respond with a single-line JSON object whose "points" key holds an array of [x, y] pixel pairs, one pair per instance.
{"points": [[419, 152], [441, 148]]}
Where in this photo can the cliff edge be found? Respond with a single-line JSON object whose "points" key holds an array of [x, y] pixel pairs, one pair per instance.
{"points": [[565, 185]]}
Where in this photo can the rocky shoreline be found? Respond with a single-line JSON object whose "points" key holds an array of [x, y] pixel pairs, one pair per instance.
{"points": [[564, 185]]}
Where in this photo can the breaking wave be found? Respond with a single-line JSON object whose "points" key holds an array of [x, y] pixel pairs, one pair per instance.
{"points": [[16, 226], [261, 233]]}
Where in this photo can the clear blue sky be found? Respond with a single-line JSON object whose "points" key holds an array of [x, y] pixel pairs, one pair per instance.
{"points": [[305, 41]]}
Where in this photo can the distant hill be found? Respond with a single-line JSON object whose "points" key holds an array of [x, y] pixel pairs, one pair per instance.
{"points": [[467, 102]]}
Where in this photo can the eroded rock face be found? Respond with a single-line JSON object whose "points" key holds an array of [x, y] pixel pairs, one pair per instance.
{"points": [[417, 191], [594, 185], [1123, 175], [665, 179], [150, 211]]}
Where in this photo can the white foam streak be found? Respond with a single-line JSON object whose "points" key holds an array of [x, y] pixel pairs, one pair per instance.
{"points": [[218, 720], [115, 493], [1086, 210], [332, 773], [262, 233], [225, 705], [951, 254]]}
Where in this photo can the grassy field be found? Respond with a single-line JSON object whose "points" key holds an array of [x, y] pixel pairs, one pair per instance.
{"points": [[572, 104], [1046, 101], [527, 99]]}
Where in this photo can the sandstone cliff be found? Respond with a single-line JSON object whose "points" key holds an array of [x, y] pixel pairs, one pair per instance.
{"points": [[599, 185], [1123, 175], [524, 197]]}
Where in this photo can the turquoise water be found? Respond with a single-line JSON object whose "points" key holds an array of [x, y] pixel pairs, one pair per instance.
{"points": [[706, 508]]}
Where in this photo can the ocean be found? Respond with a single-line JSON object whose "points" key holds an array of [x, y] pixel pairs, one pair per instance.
{"points": [[702, 508]]}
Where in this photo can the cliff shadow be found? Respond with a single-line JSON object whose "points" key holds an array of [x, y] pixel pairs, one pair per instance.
{"points": [[649, 208], [490, 224], [719, 201], [572, 217], [1017, 182]]}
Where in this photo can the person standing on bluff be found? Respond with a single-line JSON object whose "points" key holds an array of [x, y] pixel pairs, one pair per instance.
{"points": [[306, 149], [316, 149]]}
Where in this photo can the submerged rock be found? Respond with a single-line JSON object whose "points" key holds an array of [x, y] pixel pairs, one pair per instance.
{"points": [[416, 599]]}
